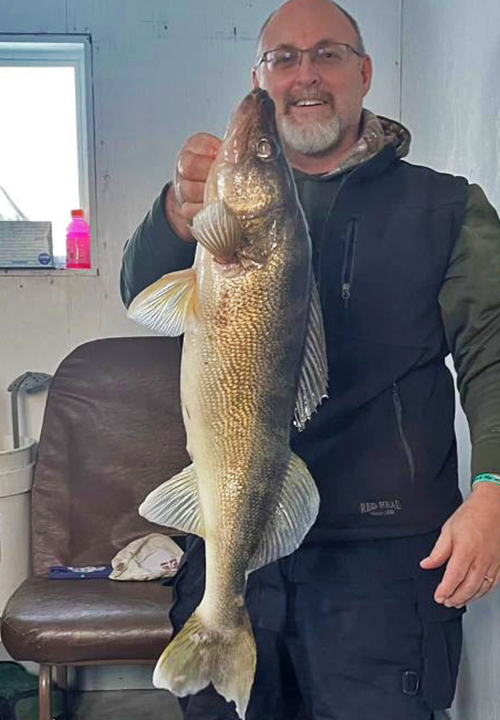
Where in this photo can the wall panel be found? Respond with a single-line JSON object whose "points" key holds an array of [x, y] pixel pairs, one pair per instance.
{"points": [[451, 103]]}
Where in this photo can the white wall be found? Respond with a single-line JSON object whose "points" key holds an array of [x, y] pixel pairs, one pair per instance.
{"points": [[163, 69], [451, 104]]}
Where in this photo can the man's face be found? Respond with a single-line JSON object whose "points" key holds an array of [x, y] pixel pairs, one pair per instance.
{"points": [[318, 107]]}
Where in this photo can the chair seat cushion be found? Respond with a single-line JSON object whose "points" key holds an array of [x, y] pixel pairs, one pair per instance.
{"points": [[73, 621]]}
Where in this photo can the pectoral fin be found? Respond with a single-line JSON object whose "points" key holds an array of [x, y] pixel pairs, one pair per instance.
{"points": [[295, 512], [218, 230], [166, 305], [313, 382], [175, 503]]}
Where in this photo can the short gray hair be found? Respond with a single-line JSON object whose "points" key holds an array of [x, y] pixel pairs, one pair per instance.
{"points": [[359, 38]]}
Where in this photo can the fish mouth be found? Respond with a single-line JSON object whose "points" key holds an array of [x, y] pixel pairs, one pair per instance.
{"points": [[259, 101], [256, 110]]}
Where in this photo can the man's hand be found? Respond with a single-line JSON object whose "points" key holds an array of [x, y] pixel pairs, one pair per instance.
{"points": [[185, 198], [470, 541]]}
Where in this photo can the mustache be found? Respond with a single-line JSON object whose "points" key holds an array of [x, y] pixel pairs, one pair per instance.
{"points": [[312, 94]]}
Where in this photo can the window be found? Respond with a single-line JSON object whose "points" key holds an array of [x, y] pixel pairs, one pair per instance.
{"points": [[46, 149]]}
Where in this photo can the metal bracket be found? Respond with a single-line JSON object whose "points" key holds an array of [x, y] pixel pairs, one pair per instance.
{"points": [[28, 382]]}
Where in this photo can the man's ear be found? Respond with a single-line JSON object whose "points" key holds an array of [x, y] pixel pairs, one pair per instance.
{"points": [[367, 73]]}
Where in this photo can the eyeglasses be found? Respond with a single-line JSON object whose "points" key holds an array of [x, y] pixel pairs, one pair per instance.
{"points": [[323, 56]]}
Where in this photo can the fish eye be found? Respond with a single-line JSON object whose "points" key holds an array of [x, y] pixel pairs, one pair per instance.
{"points": [[266, 149]]}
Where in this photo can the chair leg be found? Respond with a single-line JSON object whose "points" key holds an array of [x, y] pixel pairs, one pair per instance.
{"points": [[62, 682], [62, 676], [45, 693]]}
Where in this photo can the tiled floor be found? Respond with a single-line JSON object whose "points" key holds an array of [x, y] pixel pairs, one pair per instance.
{"points": [[123, 705]]}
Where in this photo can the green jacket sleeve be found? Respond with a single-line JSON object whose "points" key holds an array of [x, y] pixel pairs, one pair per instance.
{"points": [[152, 251], [470, 306]]}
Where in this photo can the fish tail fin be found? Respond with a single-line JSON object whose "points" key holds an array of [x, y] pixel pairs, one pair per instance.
{"points": [[200, 655]]}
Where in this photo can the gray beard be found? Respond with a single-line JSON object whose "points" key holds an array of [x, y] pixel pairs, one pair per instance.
{"points": [[312, 139]]}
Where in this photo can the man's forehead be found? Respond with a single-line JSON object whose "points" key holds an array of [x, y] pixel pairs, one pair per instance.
{"points": [[304, 23]]}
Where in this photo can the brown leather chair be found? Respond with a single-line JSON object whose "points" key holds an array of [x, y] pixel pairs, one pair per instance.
{"points": [[112, 432]]}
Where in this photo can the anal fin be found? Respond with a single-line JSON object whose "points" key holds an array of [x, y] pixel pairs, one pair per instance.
{"points": [[295, 512], [175, 503]]}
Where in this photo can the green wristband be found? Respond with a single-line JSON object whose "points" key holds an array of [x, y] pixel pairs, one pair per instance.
{"points": [[486, 477]]}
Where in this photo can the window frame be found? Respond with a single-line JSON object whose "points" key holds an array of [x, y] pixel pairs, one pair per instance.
{"points": [[68, 50]]}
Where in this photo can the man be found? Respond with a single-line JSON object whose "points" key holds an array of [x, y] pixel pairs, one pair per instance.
{"points": [[363, 622]]}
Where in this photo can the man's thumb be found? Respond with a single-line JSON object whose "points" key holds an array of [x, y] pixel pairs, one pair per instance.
{"points": [[441, 552]]}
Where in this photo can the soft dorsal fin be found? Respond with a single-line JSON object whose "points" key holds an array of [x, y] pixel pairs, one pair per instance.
{"points": [[295, 512], [313, 381], [165, 306], [218, 230]]}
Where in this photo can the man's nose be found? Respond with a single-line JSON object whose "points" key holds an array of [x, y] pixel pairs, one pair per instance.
{"points": [[307, 72]]}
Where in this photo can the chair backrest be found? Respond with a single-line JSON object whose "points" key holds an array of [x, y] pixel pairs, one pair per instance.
{"points": [[112, 431]]}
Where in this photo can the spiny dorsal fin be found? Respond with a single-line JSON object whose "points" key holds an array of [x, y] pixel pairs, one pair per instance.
{"points": [[295, 512], [165, 306], [175, 503], [218, 230], [313, 381]]}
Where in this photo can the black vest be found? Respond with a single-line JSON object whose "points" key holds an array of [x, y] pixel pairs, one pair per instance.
{"points": [[382, 448]]}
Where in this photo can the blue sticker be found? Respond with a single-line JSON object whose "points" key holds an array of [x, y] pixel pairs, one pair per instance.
{"points": [[44, 258]]}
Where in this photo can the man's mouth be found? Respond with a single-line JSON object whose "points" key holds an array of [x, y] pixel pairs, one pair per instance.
{"points": [[309, 103], [306, 102]]}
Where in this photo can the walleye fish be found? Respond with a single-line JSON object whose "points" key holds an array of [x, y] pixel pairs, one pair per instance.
{"points": [[253, 360]]}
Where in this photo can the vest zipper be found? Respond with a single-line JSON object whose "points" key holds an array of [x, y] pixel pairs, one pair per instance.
{"points": [[398, 407], [325, 226], [348, 265]]}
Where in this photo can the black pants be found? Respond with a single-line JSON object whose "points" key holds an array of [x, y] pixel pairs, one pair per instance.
{"points": [[344, 631]]}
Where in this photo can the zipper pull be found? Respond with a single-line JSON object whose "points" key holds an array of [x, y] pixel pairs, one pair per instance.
{"points": [[346, 293], [348, 264], [397, 399]]}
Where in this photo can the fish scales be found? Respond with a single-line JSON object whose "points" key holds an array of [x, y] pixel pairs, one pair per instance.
{"points": [[244, 452]]}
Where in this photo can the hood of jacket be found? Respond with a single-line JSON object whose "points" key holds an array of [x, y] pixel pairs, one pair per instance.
{"points": [[376, 133]]}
